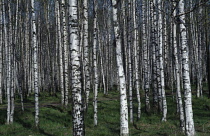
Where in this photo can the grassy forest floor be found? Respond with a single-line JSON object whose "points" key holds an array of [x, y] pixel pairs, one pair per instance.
{"points": [[55, 121]]}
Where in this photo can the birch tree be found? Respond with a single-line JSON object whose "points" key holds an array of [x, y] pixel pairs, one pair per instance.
{"points": [[154, 44], [11, 64], [124, 130], [162, 79], [189, 123], [145, 56], [77, 111], [177, 72], [95, 42], [35, 64], [135, 39], [66, 49], [86, 54], [59, 39], [8, 66]]}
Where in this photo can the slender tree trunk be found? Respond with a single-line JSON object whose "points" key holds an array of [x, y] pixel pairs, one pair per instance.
{"points": [[130, 84], [11, 65], [86, 54], [136, 60], [189, 123], [124, 130], [77, 111], [35, 64], [145, 56], [154, 44], [95, 43], [66, 52], [128, 51], [8, 65], [161, 74], [27, 50], [177, 72], [60, 53], [200, 68]]}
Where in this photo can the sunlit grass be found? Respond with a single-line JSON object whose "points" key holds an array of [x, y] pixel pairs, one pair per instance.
{"points": [[57, 121]]}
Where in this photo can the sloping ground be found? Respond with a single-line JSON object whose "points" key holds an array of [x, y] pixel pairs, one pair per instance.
{"points": [[56, 121]]}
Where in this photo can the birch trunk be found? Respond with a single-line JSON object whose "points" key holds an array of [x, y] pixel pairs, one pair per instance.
{"points": [[60, 52], [95, 42], [154, 26], [177, 72], [199, 72], [77, 111], [129, 61], [136, 59], [86, 54], [8, 65], [27, 50], [162, 80], [145, 56], [65, 44], [11, 64], [189, 123], [130, 84], [35, 64], [124, 130]]}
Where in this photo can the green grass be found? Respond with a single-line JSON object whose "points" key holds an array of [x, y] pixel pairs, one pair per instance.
{"points": [[56, 121]]}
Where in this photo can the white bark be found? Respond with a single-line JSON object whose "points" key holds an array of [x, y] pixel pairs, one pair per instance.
{"points": [[124, 130], [11, 65], [8, 68], [95, 42], [162, 83], [35, 64], [77, 111], [177, 72], [86, 53], [101, 43], [199, 72], [60, 52], [129, 62], [189, 123], [145, 56], [66, 52], [136, 60]]}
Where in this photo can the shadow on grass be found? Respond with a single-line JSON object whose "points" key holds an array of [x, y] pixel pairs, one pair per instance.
{"points": [[60, 109], [43, 132], [61, 119], [28, 125]]}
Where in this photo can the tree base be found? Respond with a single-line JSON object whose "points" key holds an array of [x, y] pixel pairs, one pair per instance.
{"points": [[125, 134]]}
